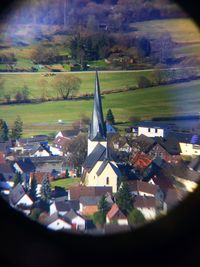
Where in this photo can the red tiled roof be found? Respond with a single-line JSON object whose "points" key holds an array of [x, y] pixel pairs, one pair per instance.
{"points": [[62, 141], [141, 160], [115, 213]]}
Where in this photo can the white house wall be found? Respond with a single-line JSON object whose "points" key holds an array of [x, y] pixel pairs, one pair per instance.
{"points": [[59, 225], [151, 132], [25, 200]]}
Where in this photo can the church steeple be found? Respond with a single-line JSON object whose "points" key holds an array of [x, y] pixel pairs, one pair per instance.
{"points": [[97, 127]]}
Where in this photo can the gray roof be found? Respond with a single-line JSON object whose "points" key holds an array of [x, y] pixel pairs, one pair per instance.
{"points": [[145, 143], [26, 165], [6, 168], [97, 127], [103, 166], [55, 216], [170, 144], [98, 154], [71, 215], [89, 201], [195, 164], [156, 124], [67, 205], [16, 194]]}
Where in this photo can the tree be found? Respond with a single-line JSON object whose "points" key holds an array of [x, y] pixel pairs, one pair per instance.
{"points": [[18, 179], [78, 150], [143, 82], [99, 219], [136, 217], [110, 117], [46, 190], [124, 198], [17, 130], [33, 189], [18, 97], [67, 85], [35, 214], [3, 130], [103, 206], [67, 173], [144, 47], [2, 82], [25, 93]]}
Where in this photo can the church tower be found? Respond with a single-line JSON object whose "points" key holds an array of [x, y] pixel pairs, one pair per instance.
{"points": [[97, 129]]}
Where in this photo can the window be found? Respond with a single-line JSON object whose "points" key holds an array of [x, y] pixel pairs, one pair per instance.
{"points": [[107, 180], [156, 130], [149, 130]]}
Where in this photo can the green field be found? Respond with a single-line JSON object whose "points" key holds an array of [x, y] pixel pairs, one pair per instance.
{"points": [[182, 30], [66, 182], [177, 99], [109, 81]]}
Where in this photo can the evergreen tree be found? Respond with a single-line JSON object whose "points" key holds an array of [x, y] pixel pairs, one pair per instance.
{"points": [[33, 189], [46, 190], [103, 206], [110, 117], [67, 173], [17, 129], [124, 199], [18, 179], [3, 130]]}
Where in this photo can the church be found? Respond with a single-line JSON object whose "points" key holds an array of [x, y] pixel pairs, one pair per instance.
{"points": [[99, 169]]}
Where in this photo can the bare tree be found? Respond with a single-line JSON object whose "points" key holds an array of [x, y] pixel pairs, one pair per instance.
{"points": [[66, 85]]}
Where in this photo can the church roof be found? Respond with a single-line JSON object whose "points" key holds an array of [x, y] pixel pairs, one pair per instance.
{"points": [[98, 154], [104, 165], [97, 127]]}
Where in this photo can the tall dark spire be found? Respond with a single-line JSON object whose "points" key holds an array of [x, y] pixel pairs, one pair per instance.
{"points": [[97, 126]]}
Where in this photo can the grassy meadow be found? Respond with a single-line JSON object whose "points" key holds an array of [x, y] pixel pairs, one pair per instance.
{"points": [[177, 99], [109, 81]]}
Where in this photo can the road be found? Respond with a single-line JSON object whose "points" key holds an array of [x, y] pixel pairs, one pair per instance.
{"points": [[100, 71]]}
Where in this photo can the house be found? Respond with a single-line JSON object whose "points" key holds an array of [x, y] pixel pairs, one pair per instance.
{"points": [[55, 165], [141, 161], [187, 175], [75, 192], [27, 144], [62, 144], [142, 144], [189, 143], [194, 164], [41, 151], [166, 148], [7, 170], [24, 166], [172, 198], [76, 220], [89, 205], [147, 205], [140, 188], [154, 128], [19, 199], [5, 147], [59, 194], [62, 207], [116, 215], [99, 168], [69, 134], [57, 222]]}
